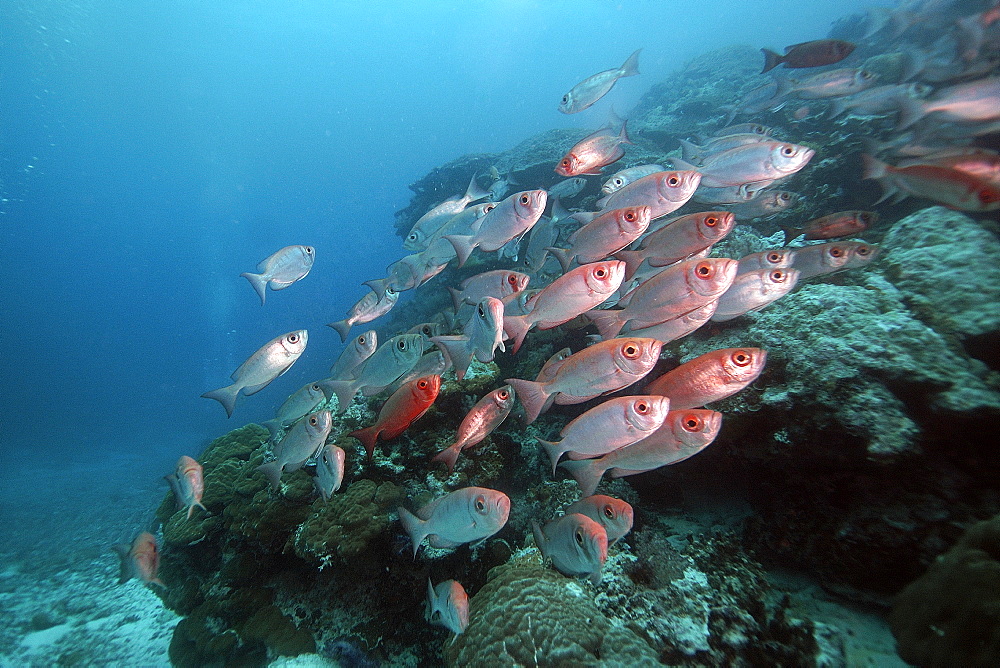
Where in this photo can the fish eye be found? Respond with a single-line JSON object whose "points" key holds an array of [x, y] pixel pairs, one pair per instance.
{"points": [[480, 504], [315, 387], [564, 162], [865, 74], [619, 182], [313, 421], [579, 536], [836, 251], [609, 512], [524, 199], [703, 270], [512, 279], [778, 276], [630, 350], [402, 344], [673, 181], [630, 216], [760, 130], [412, 237], [361, 339], [784, 197], [774, 257], [862, 250], [711, 221], [600, 272], [741, 358], [641, 408], [565, 99], [865, 218], [389, 292], [422, 384], [309, 250], [691, 423], [503, 394], [489, 207], [787, 150], [293, 338], [482, 311]]}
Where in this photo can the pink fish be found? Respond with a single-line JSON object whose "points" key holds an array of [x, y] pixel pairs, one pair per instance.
{"points": [[679, 327], [662, 192], [509, 220], [753, 291], [833, 225], [827, 258], [499, 283], [188, 484], [600, 369], [615, 515], [605, 235], [576, 544], [678, 239], [403, 408], [951, 187], [552, 364], [373, 305], [140, 560], [478, 423], [565, 298], [771, 259], [973, 102], [593, 152], [448, 605], [673, 292], [608, 426], [684, 433], [464, 516], [710, 377]]}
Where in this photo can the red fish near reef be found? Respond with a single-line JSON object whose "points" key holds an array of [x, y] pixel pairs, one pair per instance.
{"points": [[479, 423], [953, 188], [833, 226], [593, 152], [188, 484], [140, 560], [709, 377], [402, 409], [816, 53]]}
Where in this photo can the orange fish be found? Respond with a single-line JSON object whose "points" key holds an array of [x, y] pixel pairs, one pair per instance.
{"points": [[140, 560], [710, 377], [953, 188], [188, 484], [833, 226], [593, 152], [402, 409]]}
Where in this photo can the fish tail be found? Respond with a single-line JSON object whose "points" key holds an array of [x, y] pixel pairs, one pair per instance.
{"points": [[554, 449], [875, 169], [631, 66], [456, 297], [344, 391], [368, 437], [910, 111], [608, 322], [632, 259], [771, 60], [258, 282], [533, 396], [272, 471], [837, 107], [414, 526], [474, 191], [463, 244], [691, 151], [456, 352], [516, 327], [540, 542], [225, 396], [449, 456], [586, 472], [343, 328], [623, 135], [378, 286], [273, 427], [564, 256]]}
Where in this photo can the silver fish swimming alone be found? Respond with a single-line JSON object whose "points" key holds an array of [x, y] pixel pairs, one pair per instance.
{"points": [[281, 269], [593, 88]]}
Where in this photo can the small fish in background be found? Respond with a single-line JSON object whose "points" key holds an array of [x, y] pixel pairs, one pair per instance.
{"points": [[270, 361], [302, 441], [301, 402], [576, 544], [391, 360], [615, 515], [626, 176], [357, 351], [501, 185], [608, 426], [771, 96], [778, 258], [188, 484], [488, 413], [510, 219], [140, 560], [567, 188], [466, 515], [371, 306], [448, 605], [281, 269], [552, 364], [953, 188], [498, 283], [816, 53], [403, 408], [833, 83], [765, 205], [480, 337], [438, 216], [832, 226], [593, 88], [593, 152], [709, 377], [744, 128], [819, 259], [427, 330], [981, 163], [753, 290], [879, 100], [973, 102], [431, 363], [330, 466]]}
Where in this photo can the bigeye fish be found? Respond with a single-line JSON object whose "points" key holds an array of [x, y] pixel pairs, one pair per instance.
{"points": [[498, 283], [594, 87], [593, 152], [602, 368], [480, 337], [777, 258], [273, 359], [678, 239], [752, 163], [467, 515], [431, 221], [683, 434], [478, 423], [330, 466], [626, 176], [371, 306], [833, 225], [679, 327], [568, 188], [697, 155], [188, 484], [832, 83], [615, 515], [430, 363], [302, 441], [753, 290], [710, 377], [764, 205], [662, 192], [448, 605], [403, 408], [952, 187], [608, 426], [140, 560], [304, 400], [281, 269], [827, 258], [576, 544], [357, 351], [608, 233], [510, 219], [391, 360], [816, 53]]}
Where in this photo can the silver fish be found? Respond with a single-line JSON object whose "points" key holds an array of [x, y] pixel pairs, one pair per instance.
{"points": [[764, 205], [429, 223], [818, 259], [626, 176], [427, 330], [697, 155], [478, 423], [567, 188], [552, 364], [371, 306], [744, 128], [777, 258], [273, 359], [482, 335], [464, 516], [593, 88], [304, 400], [391, 360], [832, 83], [615, 515], [281, 269], [576, 544], [433, 363], [679, 327], [329, 470], [758, 163], [663, 192], [300, 443], [498, 283], [511, 218], [753, 290], [357, 351], [448, 605]]}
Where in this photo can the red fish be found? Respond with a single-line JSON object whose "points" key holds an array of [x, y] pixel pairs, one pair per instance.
{"points": [[710, 377], [402, 409], [833, 226], [140, 560], [953, 188], [816, 53], [593, 152]]}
